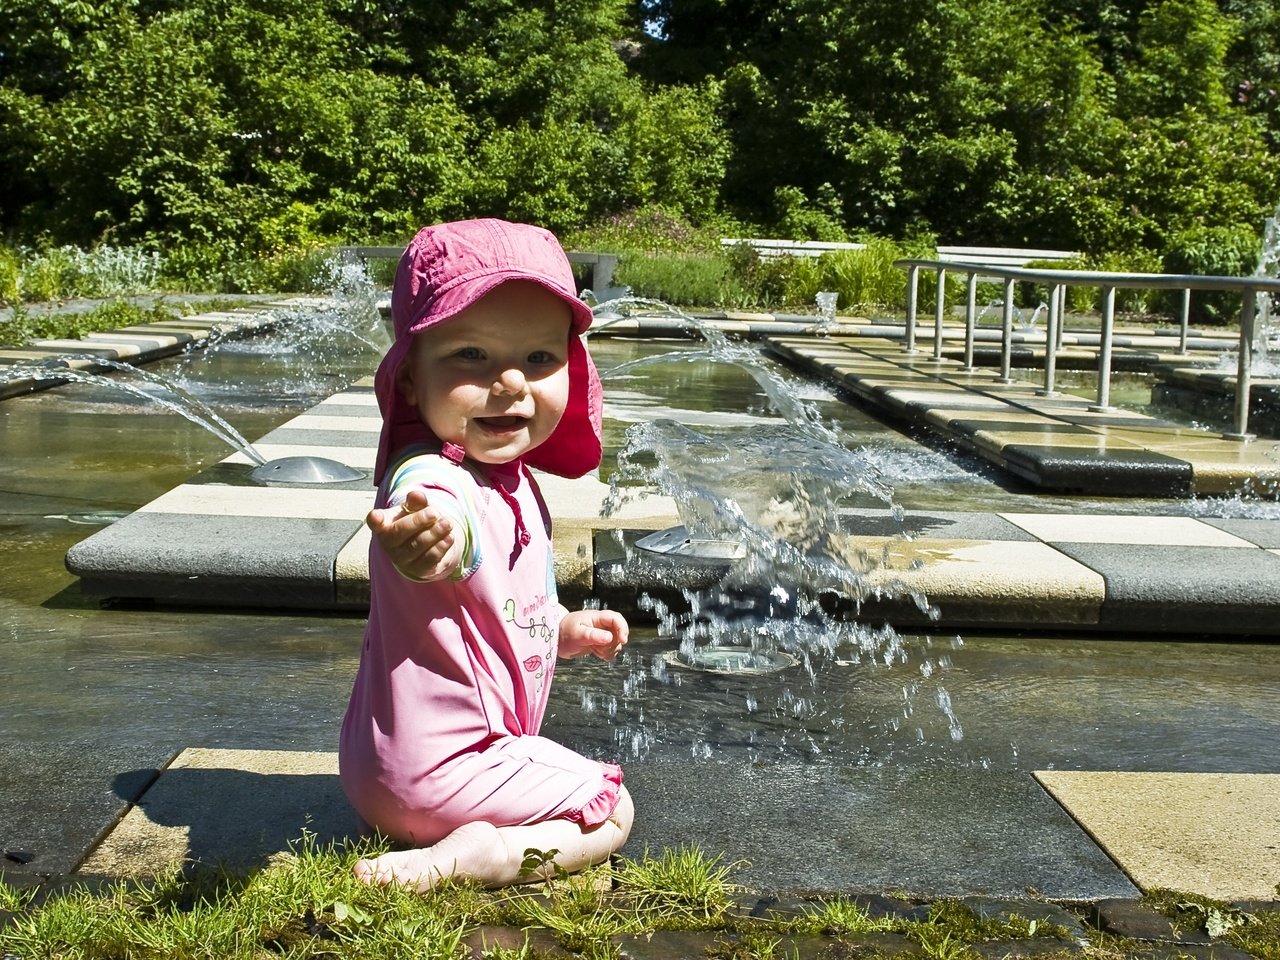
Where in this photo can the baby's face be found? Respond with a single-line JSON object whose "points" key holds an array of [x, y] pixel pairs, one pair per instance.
{"points": [[495, 378]]}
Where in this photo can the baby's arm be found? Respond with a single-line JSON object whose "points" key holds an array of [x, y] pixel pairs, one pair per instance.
{"points": [[601, 632], [417, 538]]}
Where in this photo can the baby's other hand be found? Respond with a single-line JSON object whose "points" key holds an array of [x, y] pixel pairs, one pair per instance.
{"points": [[599, 632], [418, 540]]}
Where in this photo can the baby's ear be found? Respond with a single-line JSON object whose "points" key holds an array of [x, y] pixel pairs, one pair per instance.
{"points": [[404, 381]]}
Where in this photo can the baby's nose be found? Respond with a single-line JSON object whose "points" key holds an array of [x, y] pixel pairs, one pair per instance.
{"points": [[510, 380]]}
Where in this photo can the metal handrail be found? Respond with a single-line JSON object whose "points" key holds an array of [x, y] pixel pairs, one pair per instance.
{"points": [[1109, 282]]}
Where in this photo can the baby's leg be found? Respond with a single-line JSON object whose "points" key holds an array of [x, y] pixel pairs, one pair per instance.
{"points": [[494, 855]]}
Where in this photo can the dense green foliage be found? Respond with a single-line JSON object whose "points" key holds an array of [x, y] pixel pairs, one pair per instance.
{"points": [[228, 128]]}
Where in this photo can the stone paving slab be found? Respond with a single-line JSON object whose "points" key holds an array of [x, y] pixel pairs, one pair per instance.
{"points": [[1215, 834], [1143, 587], [925, 832], [251, 561], [1054, 442], [232, 808], [72, 798], [222, 539], [982, 582], [782, 827]]}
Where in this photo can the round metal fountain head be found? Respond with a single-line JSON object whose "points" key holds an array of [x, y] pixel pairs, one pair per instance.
{"points": [[679, 542], [305, 470], [731, 660]]}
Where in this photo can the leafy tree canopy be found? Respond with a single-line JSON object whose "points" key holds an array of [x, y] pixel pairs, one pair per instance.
{"points": [[1110, 126]]}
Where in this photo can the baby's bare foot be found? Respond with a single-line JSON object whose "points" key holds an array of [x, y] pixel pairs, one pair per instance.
{"points": [[473, 851]]}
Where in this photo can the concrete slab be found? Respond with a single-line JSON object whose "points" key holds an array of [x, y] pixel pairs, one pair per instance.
{"points": [[237, 560], [330, 422], [135, 347], [1102, 528], [1134, 455], [945, 524], [940, 832], [233, 808], [62, 798], [1106, 470], [1263, 533], [992, 583], [1165, 588], [927, 832], [307, 502], [1215, 834]]}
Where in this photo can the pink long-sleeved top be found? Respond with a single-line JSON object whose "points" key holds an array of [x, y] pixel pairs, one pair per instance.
{"points": [[442, 725]]}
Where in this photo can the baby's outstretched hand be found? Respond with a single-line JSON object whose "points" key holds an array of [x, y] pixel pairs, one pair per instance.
{"points": [[600, 632], [417, 539]]}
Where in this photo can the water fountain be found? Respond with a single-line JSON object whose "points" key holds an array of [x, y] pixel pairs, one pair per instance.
{"points": [[1210, 391], [762, 503], [347, 316], [1024, 322], [136, 382], [1268, 266], [826, 301]]}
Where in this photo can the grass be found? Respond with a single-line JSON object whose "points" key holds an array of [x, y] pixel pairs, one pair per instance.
{"points": [[307, 904], [1257, 933]]}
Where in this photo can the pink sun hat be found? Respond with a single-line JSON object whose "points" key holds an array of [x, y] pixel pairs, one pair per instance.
{"points": [[445, 269]]}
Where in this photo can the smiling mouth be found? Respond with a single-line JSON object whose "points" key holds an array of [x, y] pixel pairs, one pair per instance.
{"points": [[502, 424]]}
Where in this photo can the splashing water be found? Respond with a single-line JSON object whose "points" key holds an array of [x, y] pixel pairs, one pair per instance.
{"points": [[139, 383], [826, 301], [777, 489], [317, 337], [311, 334], [1026, 323], [1268, 266]]}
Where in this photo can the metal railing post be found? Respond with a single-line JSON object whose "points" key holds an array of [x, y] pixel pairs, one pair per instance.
{"points": [[1062, 314], [913, 299], [1244, 366], [1050, 342], [970, 308], [1104, 351], [1185, 320], [1006, 333], [938, 311]]}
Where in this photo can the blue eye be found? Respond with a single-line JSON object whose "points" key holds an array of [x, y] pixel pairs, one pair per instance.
{"points": [[470, 353]]}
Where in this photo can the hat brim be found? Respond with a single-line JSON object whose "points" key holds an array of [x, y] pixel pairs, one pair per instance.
{"points": [[454, 297]]}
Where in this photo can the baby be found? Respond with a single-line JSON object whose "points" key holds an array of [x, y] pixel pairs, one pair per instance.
{"points": [[488, 376]]}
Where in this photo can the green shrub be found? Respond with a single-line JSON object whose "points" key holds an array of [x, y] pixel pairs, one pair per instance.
{"points": [[1211, 251], [206, 267], [221, 268], [690, 280], [799, 219], [865, 278], [67, 272], [1130, 261], [47, 276], [10, 270], [1083, 299], [805, 279], [111, 315], [297, 271], [652, 228]]}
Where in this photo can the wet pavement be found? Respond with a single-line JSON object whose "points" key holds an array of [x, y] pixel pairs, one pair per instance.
{"points": [[849, 778]]}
